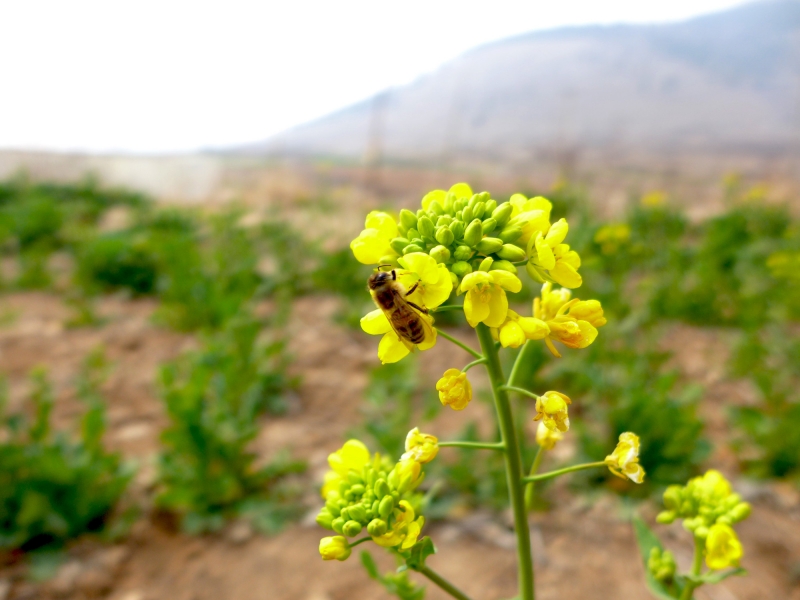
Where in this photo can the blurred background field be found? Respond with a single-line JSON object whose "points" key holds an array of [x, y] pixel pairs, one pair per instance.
{"points": [[180, 349]]}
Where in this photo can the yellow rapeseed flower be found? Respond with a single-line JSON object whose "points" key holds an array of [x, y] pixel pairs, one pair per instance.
{"points": [[611, 237], [431, 278], [352, 456], [334, 548], [406, 475], [454, 389], [391, 349], [486, 300], [573, 322], [421, 447], [372, 246], [517, 330], [624, 461], [723, 548], [551, 409], [405, 529], [546, 437]]}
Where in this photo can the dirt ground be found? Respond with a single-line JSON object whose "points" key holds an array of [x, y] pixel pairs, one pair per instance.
{"points": [[584, 548]]}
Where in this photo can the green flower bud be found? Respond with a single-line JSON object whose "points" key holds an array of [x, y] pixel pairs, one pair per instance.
{"points": [[466, 214], [337, 524], [421, 212], [324, 518], [377, 527], [386, 507], [398, 244], [461, 203], [673, 497], [412, 234], [489, 225], [486, 264], [511, 252], [459, 215], [408, 219], [488, 209], [478, 210], [461, 268], [381, 488], [436, 208], [502, 213], [412, 248], [358, 513], [457, 227], [740, 512], [449, 204], [444, 221], [444, 236], [351, 528], [345, 513], [701, 532], [439, 253], [463, 253], [333, 507], [504, 265], [474, 233], [489, 245], [666, 517], [510, 234], [357, 489], [425, 226]]}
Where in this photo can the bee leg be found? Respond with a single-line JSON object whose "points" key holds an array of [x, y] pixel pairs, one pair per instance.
{"points": [[419, 308], [413, 287]]}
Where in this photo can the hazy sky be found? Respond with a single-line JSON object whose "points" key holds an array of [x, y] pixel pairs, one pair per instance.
{"points": [[170, 76]]}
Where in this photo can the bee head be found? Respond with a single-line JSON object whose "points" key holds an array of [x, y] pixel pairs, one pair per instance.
{"points": [[379, 278]]}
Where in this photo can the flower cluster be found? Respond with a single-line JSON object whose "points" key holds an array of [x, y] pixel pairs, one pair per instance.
{"points": [[661, 564], [551, 410], [363, 491], [709, 506], [624, 461], [454, 389]]}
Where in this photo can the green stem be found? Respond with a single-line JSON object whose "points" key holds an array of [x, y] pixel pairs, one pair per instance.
{"points": [[522, 391], [361, 541], [563, 471], [697, 565], [447, 307], [443, 583], [474, 363], [529, 488], [479, 445], [527, 349], [458, 343], [513, 463]]}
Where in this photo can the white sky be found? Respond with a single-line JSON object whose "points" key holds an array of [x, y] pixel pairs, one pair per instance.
{"points": [[170, 76]]}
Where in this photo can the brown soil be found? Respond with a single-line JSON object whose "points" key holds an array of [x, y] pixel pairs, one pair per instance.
{"points": [[584, 548]]}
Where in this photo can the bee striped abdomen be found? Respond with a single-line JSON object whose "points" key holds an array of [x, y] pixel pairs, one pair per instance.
{"points": [[408, 325]]}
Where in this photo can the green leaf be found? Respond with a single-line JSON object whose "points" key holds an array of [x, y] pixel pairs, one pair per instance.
{"points": [[717, 576], [419, 552], [647, 540], [369, 565]]}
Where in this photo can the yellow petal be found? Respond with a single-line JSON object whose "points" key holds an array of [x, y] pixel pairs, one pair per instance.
{"points": [[424, 265], [565, 274], [498, 307], [461, 190], [375, 323], [370, 246], [557, 233], [511, 335], [534, 329], [438, 195], [544, 253], [507, 281], [383, 223], [391, 349], [352, 456], [474, 310], [476, 277]]}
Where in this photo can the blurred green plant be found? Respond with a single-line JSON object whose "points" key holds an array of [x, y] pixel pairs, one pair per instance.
{"points": [[397, 583], [121, 260], [52, 487], [214, 398]]}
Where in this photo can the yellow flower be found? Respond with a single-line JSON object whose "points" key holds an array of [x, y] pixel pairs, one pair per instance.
{"points": [[551, 409], [421, 447], [486, 300], [548, 252], [654, 199], [352, 456], [546, 437], [372, 244], [533, 215], [406, 475], [391, 348], [404, 530], [565, 271], [544, 244], [433, 279], [574, 322], [611, 237], [624, 461], [459, 190], [334, 548], [723, 548], [516, 330], [454, 389]]}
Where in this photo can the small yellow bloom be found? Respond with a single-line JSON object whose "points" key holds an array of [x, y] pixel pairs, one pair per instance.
{"points": [[723, 548], [546, 437], [391, 348], [432, 279], [404, 530], [545, 244], [454, 389], [533, 215], [654, 199], [517, 330], [565, 271], [612, 237], [372, 244], [486, 300], [334, 548], [573, 322], [624, 461], [421, 447], [352, 456], [551, 409], [406, 475]]}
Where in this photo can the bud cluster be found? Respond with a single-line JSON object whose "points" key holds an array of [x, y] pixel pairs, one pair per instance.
{"points": [[661, 564], [702, 503]]}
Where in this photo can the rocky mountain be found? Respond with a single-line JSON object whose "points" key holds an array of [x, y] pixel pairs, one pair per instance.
{"points": [[728, 81]]}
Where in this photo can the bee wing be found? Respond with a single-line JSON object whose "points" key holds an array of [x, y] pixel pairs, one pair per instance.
{"points": [[411, 347], [430, 332]]}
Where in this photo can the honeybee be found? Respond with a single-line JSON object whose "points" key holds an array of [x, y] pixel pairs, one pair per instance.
{"points": [[411, 322]]}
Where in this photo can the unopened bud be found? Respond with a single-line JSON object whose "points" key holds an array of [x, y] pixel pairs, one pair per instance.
{"points": [[358, 513], [463, 253], [408, 219], [337, 524], [436, 208], [489, 207], [740, 512], [488, 225], [333, 507], [489, 245], [467, 214], [351, 528], [398, 244], [324, 518], [474, 233], [486, 264], [377, 527], [504, 265], [413, 248], [510, 234], [666, 517], [440, 254], [444, 236], [461, 268], [502, 213], [512, 253], [381, 488], [425, 226], [478, 210], [386, 507], [444, 221], [457, 227]]}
